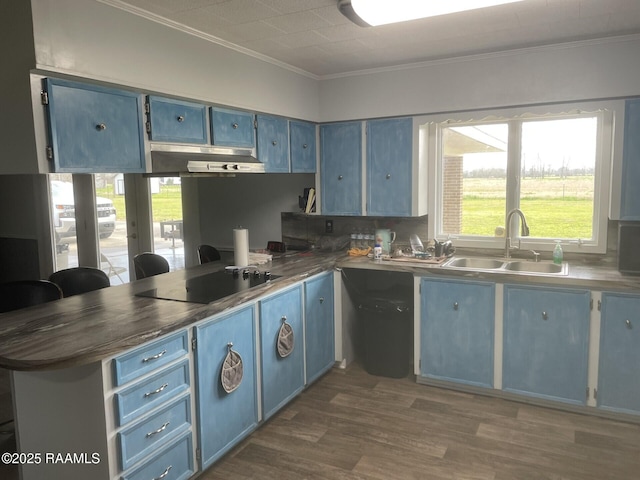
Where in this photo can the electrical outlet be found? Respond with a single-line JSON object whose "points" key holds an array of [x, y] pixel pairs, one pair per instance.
{"points": [[328, 226]]}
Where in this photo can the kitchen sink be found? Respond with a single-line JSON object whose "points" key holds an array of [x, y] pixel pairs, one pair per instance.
{"points": [[536, 267], [507, 265], [475, 263]]}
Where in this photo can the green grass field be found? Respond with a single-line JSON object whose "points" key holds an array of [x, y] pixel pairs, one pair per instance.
{"points": [[554, 207]]}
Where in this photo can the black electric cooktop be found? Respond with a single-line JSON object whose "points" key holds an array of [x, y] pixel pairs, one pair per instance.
{"points": [[210, 287]]}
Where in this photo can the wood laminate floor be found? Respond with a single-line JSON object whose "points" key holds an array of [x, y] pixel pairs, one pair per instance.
{"points": [[351, 425]]}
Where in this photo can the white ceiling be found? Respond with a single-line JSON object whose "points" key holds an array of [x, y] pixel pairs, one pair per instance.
{"points": [[314, 37]]}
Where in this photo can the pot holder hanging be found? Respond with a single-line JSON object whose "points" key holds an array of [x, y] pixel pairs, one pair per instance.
{"points": [[284, 344], [232, 370]]}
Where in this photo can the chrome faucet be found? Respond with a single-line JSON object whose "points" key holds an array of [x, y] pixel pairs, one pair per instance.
{"points": [[524, 231]]}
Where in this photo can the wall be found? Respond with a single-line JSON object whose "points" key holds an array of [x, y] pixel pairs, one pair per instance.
{"points": [[607, 68], [252, 201]]}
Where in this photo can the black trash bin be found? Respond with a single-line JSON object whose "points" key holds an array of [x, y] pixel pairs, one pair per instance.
{"points": [[387, 327]]}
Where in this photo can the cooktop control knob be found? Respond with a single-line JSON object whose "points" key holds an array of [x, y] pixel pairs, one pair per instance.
{"points": [[267, 275], [245, 274], [256, 273]]}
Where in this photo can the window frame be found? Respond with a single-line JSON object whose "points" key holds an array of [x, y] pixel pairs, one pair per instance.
{"points": [[430, 128]]}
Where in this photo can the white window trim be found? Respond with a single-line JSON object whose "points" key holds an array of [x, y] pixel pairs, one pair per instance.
{"points": [[429, 151]]}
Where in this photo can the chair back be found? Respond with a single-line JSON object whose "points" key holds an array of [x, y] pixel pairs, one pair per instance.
{"points": [[207, 254], [77, 280], [149, 264], [25, 293]]}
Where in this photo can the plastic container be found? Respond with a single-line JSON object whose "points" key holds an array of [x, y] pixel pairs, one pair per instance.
{"points": [[387, 328], [377, 252], [557, 253]]}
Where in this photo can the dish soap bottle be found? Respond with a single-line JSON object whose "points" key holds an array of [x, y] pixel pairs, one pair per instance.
{"points": [[557, 253]]}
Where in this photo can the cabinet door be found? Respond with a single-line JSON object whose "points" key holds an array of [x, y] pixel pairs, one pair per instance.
{"points": [[176, 121], [341, 168], [273, 144], [282, 378], [225, 418], [546, 334], [457, 331], [303, 147], [231, 128], [94, 129], [389, 161], [319, 326], [630, 199], [619, 370]]}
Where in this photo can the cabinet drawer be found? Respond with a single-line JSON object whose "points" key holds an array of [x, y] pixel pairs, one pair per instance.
{"points": [[177, 121], [143, 438], [175, 462], [142, 397], [149, 357]]}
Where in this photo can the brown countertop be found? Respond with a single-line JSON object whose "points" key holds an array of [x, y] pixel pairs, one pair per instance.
{"points": [[96, 325]]}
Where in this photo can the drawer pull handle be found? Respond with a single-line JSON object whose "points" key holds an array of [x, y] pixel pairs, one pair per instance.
{"points": [[163, 474], [321, 299], [545, 316], [180, 118], [158, 390], [160, 430], [388, 176], [101, 126], [154, 357], [628, 323], [235, 126], [455, 306], [340, 177]]}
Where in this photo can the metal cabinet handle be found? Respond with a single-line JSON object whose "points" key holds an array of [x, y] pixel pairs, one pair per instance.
{"points": [[154, 357], [158, 390], [101, 126], [234, 125], [305, 145], [388, 176], [274, 143], [545, 316], [180, 118], [628, 323], [340, 177], [160, 430], [163, 474], [284, 318], [321, 299], [455, 305]]}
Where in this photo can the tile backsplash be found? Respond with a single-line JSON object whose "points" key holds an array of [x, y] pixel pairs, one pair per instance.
{"points": [[301, 231]]}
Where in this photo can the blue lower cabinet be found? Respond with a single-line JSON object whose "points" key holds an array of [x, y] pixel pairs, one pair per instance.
{"points": [[227, 401], [546, 338], [619, 368], [173, 462], [282, 349], [457, 331], [319, 325]]}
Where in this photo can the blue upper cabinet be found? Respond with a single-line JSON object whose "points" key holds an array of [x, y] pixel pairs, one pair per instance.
{"points": [[456, 331], [546, 336], [303, 147], [176, 121], [232, 128], [630, 198], [273, 143], [94, 129], [618, 372], [389, 163], [341, 168]]}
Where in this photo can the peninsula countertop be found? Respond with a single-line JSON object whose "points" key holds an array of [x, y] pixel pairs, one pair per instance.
{"points": [[94, 326]]}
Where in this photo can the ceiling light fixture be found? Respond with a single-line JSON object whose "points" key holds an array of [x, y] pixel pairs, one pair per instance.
{"points": [[370, 13]]}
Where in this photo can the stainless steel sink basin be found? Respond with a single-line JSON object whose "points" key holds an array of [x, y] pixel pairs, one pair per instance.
{"points": [[475, 263], [507, 265], [536, 267]]}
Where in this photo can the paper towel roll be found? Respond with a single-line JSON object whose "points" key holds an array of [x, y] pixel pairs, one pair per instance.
{"points": [[241, 247]]}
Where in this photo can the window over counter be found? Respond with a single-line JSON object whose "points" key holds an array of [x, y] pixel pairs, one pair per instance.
{"points": [[552, 163]]}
